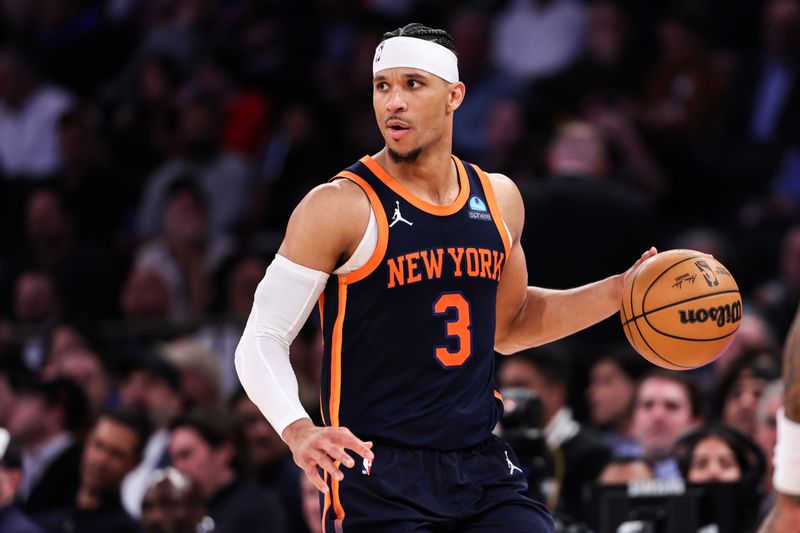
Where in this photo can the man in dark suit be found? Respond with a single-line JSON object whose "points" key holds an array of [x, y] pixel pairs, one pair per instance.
{"points": [[113, 447], [45, 420], [202, 446], [11, 517]]}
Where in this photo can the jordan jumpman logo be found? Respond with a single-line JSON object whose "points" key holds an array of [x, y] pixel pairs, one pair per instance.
{"points": [[397, 217]]}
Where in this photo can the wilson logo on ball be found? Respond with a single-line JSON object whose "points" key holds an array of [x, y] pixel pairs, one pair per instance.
{"points": [[721, 314]]}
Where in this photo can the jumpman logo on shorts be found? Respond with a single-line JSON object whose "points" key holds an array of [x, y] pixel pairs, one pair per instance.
{"points": [[511, 466], [397, 217]]}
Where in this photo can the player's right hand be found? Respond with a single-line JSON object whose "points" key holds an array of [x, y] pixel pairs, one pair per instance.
{"points": [[323, 447]]}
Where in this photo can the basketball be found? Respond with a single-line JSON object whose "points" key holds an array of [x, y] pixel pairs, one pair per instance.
{"points": [[681, 309]]}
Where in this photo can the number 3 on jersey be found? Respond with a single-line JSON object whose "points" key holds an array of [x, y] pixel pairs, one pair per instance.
{"points": [[458, 327]]}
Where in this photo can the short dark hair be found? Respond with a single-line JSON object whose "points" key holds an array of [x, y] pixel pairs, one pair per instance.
{"points": [[212, 427], [63, 393], [420, 31], [626, 359], [134, 418], [216, 428], [681, 379], [553, 361], [749, 455]]}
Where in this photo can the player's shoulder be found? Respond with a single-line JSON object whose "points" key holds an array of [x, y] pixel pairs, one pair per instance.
{"points": [[337, 199], [509, 200]]}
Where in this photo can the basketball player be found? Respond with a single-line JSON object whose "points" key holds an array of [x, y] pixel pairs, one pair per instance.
{"points": [[414, 257], [785, 516]]}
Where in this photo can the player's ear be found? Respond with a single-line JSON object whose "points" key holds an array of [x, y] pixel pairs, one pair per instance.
{"points": [[455, 95]]}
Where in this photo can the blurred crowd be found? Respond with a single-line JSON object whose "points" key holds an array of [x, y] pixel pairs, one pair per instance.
{"points": [[151, 152]]}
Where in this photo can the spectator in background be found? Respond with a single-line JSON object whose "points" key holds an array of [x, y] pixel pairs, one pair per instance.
{"points": [[488, 85], [172, 504], [145, 295], [152, 384], [12, 519], [87, 369], [29, 114], [717, 453], [666, 407], [186, 253], [741, 388], [113, 448], [203, 447], [37, 301], [545, 370], [46, 420], [271, 461], [199, 371], [613, 380], [626, 470], [532, 39], [224, 178]]}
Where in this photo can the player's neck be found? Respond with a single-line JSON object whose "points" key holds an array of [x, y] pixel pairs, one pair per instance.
{"points": [[432, 177]]}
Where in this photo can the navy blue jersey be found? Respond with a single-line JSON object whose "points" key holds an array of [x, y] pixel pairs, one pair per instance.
{"points": [[409, 337]]}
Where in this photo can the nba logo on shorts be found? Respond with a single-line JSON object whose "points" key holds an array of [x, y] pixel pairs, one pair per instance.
{"points": [[366, 468]]}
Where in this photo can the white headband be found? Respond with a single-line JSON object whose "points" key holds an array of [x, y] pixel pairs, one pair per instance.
{"points": [[411, 52]]}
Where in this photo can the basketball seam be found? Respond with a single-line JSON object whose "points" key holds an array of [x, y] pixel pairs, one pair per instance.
{"points": [[693, 298], [635, 323], [689, 338]]}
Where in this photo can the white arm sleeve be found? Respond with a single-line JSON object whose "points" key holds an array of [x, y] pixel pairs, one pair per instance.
{"points": [[283, 301]]}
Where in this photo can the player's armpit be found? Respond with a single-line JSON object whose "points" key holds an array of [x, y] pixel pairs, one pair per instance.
{"points": [[326, 226]]}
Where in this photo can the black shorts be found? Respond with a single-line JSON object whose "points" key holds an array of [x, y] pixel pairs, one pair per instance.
{"points": [[480, 489]]}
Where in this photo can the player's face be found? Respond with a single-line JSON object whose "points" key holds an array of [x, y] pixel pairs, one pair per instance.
{"points": [[662, 414], [713, 460], [413, 109]]}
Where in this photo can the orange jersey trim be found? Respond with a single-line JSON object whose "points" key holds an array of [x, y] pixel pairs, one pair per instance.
{"points": [[383, 229], [336, 354], [419, 203], [488, 191], [498, 395], [336, 387]]}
